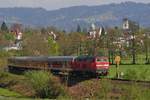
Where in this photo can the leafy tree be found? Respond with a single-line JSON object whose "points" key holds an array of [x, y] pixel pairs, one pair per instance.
{"points": [[16, 28], [35, 45], [85, 30], [4, 27], [53, 46], [9, 36], [78, 28], [43, 30]]}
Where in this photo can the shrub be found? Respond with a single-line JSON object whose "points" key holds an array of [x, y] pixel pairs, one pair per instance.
{"points": [[104, 91], [135, 92], [3, 74], [9, 36], [45, 84], [144, 75], [4, 55]]}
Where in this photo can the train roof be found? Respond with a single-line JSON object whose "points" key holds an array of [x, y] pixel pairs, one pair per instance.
{"points": [[44, 58], [61, 58], [88, 56]]}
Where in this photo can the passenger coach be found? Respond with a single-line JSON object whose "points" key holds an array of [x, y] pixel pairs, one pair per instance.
{"points": [[91, 64]]}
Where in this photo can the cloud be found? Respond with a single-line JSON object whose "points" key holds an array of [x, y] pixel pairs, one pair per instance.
{"points": [[55, 4]]}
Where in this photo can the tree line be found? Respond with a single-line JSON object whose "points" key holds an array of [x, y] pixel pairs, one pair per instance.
{"points": [[37, 41]]}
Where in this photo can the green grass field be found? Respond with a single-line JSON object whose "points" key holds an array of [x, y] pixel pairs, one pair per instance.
{"points": [[8, 93], [137, 72]]}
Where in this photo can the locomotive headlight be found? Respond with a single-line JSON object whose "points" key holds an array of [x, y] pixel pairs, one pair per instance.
{"points": [[106, 64], [99, 65], [102, 65]]}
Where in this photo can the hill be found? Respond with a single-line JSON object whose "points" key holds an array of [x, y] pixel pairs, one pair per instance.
{"points": [[69, 18]]}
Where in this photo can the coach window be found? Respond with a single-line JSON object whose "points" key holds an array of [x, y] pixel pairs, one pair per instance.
{"points": [[75, 60], [79, 59]]}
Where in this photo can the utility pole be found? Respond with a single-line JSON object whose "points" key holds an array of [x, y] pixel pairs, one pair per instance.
{"points": [[80, 49], [133, 48], [134, 29], [146, 48]]}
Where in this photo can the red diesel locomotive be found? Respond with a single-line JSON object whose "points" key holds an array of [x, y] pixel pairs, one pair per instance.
{"points": [[94, 64], [82, 64]]}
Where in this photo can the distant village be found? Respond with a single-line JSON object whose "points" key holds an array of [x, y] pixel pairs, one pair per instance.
{"points": [[128, 29]]}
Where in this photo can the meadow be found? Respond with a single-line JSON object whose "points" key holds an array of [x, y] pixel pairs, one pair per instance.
{"points": [[136, 72]]}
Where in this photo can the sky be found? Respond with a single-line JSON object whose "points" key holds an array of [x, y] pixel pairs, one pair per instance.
{"points": [[56, 4]]}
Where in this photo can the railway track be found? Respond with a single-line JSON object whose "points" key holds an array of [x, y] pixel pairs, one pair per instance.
{"points": [[75, 80], [126, 81]]}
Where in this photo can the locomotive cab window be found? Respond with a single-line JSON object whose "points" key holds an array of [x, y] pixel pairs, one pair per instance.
{"points": [[102, 60]]}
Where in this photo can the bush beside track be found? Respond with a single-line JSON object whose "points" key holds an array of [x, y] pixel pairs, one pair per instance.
{"points": [[84, 88], [37, 84]]}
